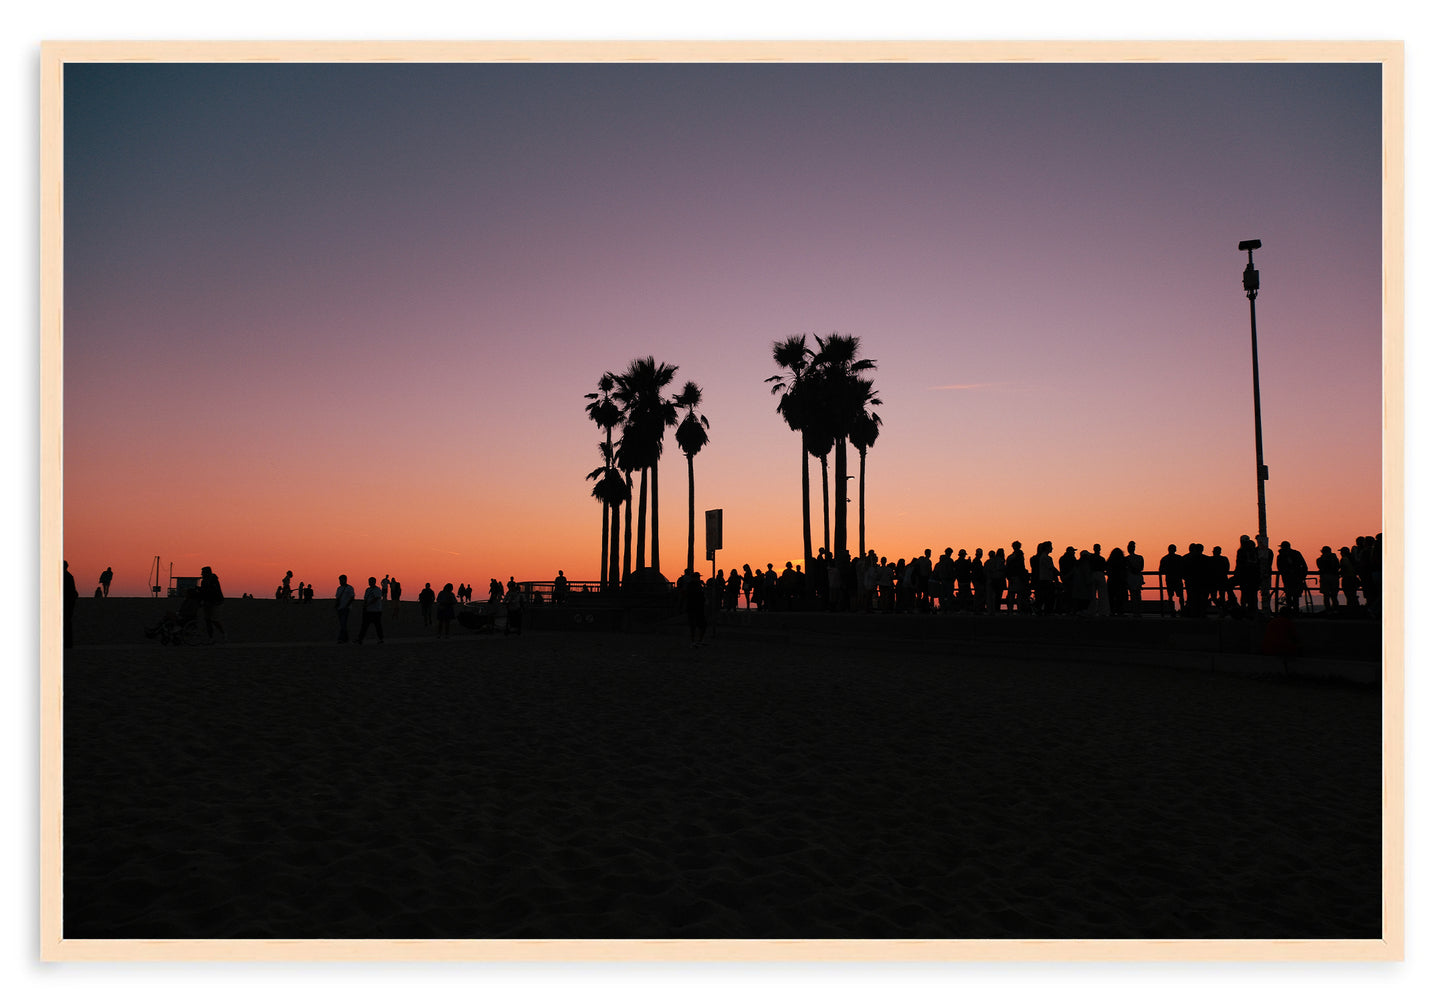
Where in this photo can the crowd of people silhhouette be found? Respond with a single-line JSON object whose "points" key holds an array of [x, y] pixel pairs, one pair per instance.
{"points": [[1077, 582], [1002, 581]]}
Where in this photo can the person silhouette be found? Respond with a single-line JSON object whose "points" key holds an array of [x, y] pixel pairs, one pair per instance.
{"points": [[559, 588], [695, 601], [1135, 562], [1044, 574], [1219, 590], [1265, 556], [1246, 576], [514, 608], [446, 610], [1016, 577], [1171, 569], [425, 600], [1349, 580], [72, 595], [211, 599], [731, 590], [1116, 570], [1068, 572], [1098, 581], [371, 606], [1195, 568], [1328, 566], [106, 576], [1292, 572], [345, 595]]}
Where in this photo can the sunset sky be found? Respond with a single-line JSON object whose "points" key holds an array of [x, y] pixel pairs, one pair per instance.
{"points": [[342, 318]]}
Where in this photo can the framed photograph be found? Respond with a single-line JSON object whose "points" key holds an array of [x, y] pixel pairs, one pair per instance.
{"points": [[393, 395]]}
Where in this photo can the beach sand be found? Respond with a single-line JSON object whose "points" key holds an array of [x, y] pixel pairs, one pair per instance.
{"points": [[579, 785]]}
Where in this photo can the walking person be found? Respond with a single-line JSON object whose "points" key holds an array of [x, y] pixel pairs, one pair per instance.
{"points": [[106, 576], [371, 606], [211, 599], [446, 610], [345, 595], [426, 600]]}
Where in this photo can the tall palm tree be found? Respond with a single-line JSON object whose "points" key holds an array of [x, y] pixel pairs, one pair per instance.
{"points": [[630, 459], [649, 415], [691, 436], [819, 445], [611, 490], [837, 367], [863, 434], [793, 355], [603, 410]]}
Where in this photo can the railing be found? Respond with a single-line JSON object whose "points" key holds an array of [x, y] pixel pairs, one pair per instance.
{"points": [[1154, 592]]}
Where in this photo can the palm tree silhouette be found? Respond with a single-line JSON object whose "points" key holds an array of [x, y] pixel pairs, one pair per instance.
{"points": [[691, 436], [629, 461], [649, 415], [793, 354], [819, 445], [611, 490], [836, 366], [862, 434], [603, 410]]}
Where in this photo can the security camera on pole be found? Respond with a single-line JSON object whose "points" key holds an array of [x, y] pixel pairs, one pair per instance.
{"points": [[1251, 289]]}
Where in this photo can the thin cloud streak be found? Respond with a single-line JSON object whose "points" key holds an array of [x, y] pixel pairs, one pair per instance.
{"points": [[969, 386]]}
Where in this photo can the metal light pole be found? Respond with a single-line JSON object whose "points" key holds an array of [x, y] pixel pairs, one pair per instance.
{"points": [[1251, 290]]}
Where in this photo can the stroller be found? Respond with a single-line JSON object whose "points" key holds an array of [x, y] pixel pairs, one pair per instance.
{"points": [[183, 626]]}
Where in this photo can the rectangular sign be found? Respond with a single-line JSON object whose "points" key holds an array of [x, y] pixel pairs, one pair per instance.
{"points": [[713, 520]]}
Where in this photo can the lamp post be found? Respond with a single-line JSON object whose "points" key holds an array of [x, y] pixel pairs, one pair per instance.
{"points": [[1251, 290]]}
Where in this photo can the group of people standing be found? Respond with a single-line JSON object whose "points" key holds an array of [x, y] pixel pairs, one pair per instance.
{"points": [[437, 608], [1085, 582]]}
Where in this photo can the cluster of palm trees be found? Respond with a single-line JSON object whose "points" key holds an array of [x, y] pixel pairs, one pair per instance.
{"points": [[634, 405], [825, 396]]}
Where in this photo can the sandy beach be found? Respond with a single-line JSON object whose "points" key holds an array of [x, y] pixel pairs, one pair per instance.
{"points": [[580, 785]]}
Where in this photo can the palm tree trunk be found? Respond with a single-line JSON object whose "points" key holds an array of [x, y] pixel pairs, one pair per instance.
{"points": [[840, 500], [656, 561], [807, 518], [691, 515], [627, 543], [823, 461], [602, 571], [642, 521], [613, 575], [862, 472]]}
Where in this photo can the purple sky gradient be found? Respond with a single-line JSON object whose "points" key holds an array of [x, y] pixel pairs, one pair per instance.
{"points": [[341, 318]]}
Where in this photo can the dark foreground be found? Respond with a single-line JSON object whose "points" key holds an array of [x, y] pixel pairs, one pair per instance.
{"points": [[577, 786]]}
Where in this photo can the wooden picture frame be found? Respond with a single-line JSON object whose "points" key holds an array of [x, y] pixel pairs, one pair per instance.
{"points": [[55, 56]]}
